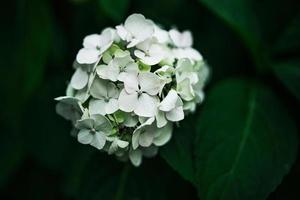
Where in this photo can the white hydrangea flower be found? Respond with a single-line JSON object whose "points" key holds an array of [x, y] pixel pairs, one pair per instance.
{"points": [[181, 40], [131, 85], [105, 99], [136, 29], [139, 92], [149, 52], [93, 46], [172, 105], [119, 67], [93, 130]]}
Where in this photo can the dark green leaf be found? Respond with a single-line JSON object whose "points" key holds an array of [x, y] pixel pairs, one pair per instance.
{"points": [[179, 151], [115, 9], [239, 15], [289, 74], [289, 40], [106, 178], [246, 142], [34, 27], [11, 150]]}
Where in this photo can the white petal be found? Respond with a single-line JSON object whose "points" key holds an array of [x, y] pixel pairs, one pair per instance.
{"points": [[135, 157], [161, 35], [84, 124], [146, 138], [112, 90], [68, 100], [131, 83], [99, 140], [111, 106], [79, 79], [66, 111], [185, 90], [113, 147], [146, 106], [130, 121], [127, 102], [87, 56], [139, 54], [189, 105], [109, 72], [99, 88], [122, 32], [183, 39], [146, 121], [101, 124], [122, 58], [149, 83], [113, 33], [157, 52], [189, 53], [82, 95], [169, 102], [97, 107], [163, 135], [139, 27], [135, 139], [132, 68], [92, 41], [84, 136], [160, 119], [122, 143], [133, 43], [106, 41], [151, 59], [154, 54], [175, 114]]}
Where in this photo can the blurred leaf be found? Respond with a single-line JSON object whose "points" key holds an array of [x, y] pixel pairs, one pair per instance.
{"points": [[103, 177], [289, 74], [48, 136], [179, 151], [289, 40], [239, 15], [246, 142], [115, 9], [34, 27], [11, 150]]}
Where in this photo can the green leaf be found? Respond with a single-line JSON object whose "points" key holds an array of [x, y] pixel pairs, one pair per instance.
{"points": [[34, 25], [115, 9], [289, 74], [246, 142], [179, 151], [256, 27], [11, 150], [106, 178], [289, 39], [238, 14]]}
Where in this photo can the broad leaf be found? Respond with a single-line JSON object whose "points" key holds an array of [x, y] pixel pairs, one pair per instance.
{"points": [[115, 9], [239, 15], [179, 151], [246, 142], [289, 74], [257, 29], [289, 39], [34, 25], [106, 178]]}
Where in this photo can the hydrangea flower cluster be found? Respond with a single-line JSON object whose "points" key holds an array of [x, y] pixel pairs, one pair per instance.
{"points": [[131, 84]]}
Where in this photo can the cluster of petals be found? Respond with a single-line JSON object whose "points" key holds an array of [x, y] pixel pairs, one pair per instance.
{"points": [[131, 84]]}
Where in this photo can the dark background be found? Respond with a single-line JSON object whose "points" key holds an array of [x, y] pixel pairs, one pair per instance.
{"points": [[39, 41]]}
